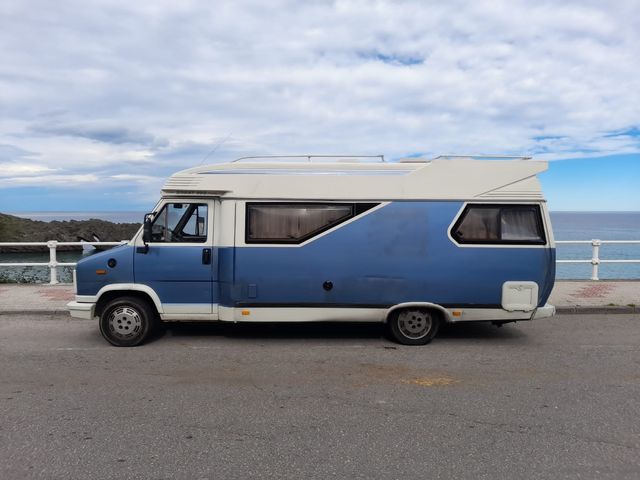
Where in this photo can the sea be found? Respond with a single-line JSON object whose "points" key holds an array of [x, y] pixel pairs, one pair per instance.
{"points": [[566, 226]]}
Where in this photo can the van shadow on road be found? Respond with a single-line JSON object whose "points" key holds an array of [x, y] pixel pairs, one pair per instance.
{"points": [[333, 330]]}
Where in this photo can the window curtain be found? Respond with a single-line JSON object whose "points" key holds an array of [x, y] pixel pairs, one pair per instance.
{"points": [[480, 224], [284, 222], [519, 224]]}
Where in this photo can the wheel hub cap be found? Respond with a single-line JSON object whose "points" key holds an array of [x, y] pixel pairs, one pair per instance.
{"points": [[414, 324], [124, 322]]}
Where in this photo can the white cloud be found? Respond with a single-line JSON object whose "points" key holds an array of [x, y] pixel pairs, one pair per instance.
{"points": [[20, 169], [140, 89], [136, 178], [49, 180]]}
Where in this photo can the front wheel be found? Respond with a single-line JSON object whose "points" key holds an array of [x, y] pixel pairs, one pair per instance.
{"points": [[413, 326], [127, 321]]}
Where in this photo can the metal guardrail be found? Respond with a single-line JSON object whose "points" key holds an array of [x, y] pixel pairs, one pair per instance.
{"points": [[595, 259], [53, 263]]}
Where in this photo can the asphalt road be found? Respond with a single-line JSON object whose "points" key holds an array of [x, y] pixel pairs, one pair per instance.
{"points": [[556, 398]]}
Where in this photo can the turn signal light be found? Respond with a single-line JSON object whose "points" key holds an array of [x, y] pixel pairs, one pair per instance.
{"points": [[101, 272]]}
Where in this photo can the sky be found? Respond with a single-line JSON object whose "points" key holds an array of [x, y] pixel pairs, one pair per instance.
{"points": [[101, 101]]}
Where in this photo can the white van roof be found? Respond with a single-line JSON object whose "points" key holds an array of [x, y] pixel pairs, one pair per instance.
{"points": [[357, 178]]}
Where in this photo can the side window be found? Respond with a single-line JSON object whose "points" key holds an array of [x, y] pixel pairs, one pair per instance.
{"points": [[500, 224], [479, 224], [180, 223], [521, 224], [295, 222]]}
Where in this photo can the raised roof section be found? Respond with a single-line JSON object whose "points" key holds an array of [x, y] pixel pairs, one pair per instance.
{"points": [[313, 158], [442, 178]]}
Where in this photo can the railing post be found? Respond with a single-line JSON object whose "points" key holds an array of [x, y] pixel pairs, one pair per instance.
{"points": [[595, 258], [53, 262]]}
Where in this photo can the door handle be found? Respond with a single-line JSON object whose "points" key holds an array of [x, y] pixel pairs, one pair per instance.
{"points": [[206, 256]]}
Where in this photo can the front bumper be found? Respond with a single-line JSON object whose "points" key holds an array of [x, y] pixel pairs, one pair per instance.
{"points": [[545, 312], [84, 311]]}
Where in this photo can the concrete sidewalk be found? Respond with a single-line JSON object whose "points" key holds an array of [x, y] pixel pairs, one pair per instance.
{"points": [[568, 297], [604, 296]]}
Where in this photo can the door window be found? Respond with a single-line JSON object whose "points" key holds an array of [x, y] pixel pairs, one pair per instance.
{"points": [[180, 223]]}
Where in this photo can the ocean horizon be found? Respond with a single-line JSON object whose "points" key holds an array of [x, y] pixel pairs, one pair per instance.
{"points": [[135, 216], [567, 225]]}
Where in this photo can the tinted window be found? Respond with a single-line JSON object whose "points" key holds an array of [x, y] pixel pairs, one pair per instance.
{"points": [[521, 224], [508, 224], [480, 224], [295, 222], [180, 222]]}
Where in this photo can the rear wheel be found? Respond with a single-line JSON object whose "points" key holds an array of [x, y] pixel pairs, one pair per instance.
{"points": [[127, 321], [413, 326]]}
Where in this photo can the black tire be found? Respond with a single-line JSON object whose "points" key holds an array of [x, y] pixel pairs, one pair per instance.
{"points": [[128, 321], [413, 325]]}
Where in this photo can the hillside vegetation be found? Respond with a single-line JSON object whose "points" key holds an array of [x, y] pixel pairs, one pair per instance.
{"points": [[16, 229]]}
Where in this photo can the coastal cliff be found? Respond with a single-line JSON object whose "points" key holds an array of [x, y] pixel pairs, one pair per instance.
{"points": [[16, 229]]}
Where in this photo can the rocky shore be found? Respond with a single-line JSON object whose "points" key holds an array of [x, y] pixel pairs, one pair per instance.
{"points": [[16, 229]]}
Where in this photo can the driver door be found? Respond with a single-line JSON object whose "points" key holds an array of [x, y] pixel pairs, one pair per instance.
{"points": [[179, 264]]}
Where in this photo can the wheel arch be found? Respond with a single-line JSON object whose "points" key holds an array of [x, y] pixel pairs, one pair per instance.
{"points": [[109, 292], [446, 316]]}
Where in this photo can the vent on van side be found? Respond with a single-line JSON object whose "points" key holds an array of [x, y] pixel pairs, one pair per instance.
{"points": [[182, 183], [515, 195], [519, 296], [525, 189]]}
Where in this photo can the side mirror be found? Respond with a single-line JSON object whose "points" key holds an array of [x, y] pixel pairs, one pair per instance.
{"points": [[146, 233], [146, 230]]}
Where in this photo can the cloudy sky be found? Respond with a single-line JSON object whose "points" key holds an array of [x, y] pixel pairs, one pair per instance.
{"points": [[101, 100]]}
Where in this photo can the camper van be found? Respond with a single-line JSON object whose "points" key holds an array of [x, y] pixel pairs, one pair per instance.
{"points": [[411, 244]]}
